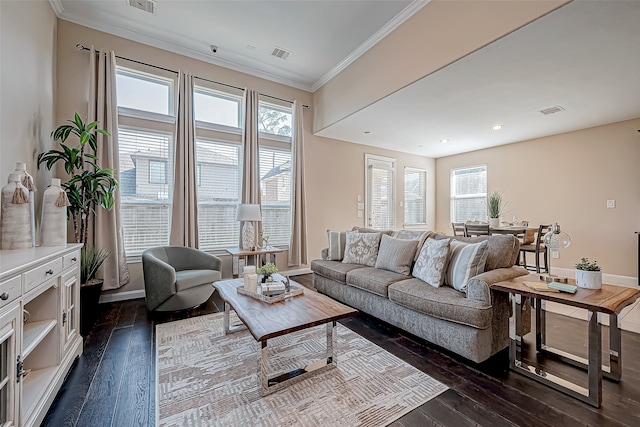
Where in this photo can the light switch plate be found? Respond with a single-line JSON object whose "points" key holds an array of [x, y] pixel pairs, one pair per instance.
{"points": [[359, 214], [360, 205], [611, 204]]}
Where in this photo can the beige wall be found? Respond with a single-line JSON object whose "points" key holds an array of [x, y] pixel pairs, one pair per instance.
{"points": [[27, 46], [440, 33], [334, 169], [567, 178]]}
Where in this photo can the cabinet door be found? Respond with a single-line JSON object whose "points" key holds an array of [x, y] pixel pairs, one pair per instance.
{"points": [[70, 308], [9, 387]]}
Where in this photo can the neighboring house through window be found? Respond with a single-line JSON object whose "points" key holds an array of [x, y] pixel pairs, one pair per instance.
{"points": [[469, 194]]}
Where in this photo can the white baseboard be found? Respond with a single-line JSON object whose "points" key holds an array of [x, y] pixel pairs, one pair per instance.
{"points": [[121, 296], [612, 279]]}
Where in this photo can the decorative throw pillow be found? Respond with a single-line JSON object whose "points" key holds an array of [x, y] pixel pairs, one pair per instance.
{"points": [[361, 248], [466, 261], [431, 265], [418, 235], [337, 240], [396, 254]]}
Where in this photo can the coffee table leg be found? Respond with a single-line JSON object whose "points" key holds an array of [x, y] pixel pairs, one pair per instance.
{"points": [[541, 325], [615, 348], [331, 344], [595, 360], [228, 328], [262, 368]]}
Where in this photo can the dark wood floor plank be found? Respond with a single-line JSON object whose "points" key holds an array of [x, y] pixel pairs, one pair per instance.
{"points": [[474, 411], [109, 374], [97, 412], [132, 407]]}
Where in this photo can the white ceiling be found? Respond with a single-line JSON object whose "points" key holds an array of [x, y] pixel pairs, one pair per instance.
{"points": [[584, 57]]}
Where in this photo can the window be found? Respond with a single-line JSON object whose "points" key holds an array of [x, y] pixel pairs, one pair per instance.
{"points": [[214, 107], [220, 184], [145, 203], [275, 190], [144, 92], [469, 194], [380, 192], [275, 120], [415, 196], [157, 172]]}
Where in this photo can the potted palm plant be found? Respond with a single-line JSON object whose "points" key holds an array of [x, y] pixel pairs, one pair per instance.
{"points": [[88, 188], [496, 206]]}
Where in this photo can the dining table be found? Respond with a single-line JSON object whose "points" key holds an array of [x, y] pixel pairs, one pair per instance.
{"points": [[526, 233]]}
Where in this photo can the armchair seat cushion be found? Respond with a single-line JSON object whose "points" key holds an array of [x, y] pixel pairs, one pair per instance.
{"points": [[188, 279]]}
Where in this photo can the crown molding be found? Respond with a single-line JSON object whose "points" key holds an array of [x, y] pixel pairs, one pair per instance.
{"points": [[180, 50], [398, 20], [57, 7]]}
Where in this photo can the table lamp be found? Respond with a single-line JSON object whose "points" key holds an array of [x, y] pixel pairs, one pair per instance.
{"points": [[248, 213], [554, 240]]}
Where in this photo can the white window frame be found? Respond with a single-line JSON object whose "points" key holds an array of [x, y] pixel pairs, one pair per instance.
{"points": [[465, 196], [156, 78], [222, 95], [368, 159], [424, 196]]}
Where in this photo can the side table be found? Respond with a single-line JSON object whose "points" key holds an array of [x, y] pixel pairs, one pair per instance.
{"points": [[256, 257]]}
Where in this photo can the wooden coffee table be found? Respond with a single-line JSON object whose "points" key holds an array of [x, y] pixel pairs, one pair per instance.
{"points": [[608, 300], [265, 321]]}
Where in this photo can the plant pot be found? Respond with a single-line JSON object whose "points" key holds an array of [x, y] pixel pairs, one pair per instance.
{"points": [[494, 222], [589, 279], [89, 299]]}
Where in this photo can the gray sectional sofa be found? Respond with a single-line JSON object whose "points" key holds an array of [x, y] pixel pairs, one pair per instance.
{"points": [[474, 324]]}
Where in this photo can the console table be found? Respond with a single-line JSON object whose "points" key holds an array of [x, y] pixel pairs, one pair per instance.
{"points": [[39, 336], [257, 257], [608, 300]]}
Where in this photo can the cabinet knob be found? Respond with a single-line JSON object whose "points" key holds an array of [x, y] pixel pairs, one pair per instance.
{"points": [[50, 271], [74, 259], [4, 296]]}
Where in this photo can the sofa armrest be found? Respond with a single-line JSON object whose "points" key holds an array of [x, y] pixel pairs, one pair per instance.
{"points": [[325, 253], [478, 286]]}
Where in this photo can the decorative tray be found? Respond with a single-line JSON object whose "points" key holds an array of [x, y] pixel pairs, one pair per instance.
{"points": [[295, 290]]}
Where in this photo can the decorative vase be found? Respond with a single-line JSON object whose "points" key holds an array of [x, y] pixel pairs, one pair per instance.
{"points": [[27, 181], [248, 236], [267, 278], [16, 220], [53, 228], [494, 222], [589, 279]]}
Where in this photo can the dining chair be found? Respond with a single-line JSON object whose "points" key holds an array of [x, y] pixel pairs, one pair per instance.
{"points": [[476, 230], [537, 248], [458, 228]]}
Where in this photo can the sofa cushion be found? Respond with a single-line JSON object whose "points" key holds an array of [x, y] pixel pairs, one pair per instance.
{"points": [[361, 248], [443, 303], [373, 279], [431, 266], [396, 254], [335, 270], [502, 251], [337, 241], [418, 235], [466, 261], [187, 279]]}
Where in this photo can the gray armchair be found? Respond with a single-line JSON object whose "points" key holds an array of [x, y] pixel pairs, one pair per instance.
{"points": [[176, 277]]}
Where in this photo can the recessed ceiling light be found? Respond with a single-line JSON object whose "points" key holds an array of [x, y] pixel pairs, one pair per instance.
{"points": [[367, 132], [497, 127], [444, 141], [420, 146]]}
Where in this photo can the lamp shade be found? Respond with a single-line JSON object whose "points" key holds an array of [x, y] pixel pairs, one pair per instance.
{"points": [[248, 212]]}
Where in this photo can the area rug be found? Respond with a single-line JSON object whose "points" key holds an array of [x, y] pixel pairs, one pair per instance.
{"points": [[205, 378]]}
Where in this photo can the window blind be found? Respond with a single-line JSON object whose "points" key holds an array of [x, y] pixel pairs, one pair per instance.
{"points": [[380, 193], [469, 194], [145, 205], [415, 196], [275, 190], [218, 191]]}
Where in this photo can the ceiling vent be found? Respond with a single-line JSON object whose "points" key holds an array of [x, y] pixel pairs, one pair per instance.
{"points": [[278, 52], [146, 5], [552, 110]]}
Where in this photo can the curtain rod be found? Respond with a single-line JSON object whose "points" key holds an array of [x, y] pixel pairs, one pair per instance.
{"points": [[80, 46]]}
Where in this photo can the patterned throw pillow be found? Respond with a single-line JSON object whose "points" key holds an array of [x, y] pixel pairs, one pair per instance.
{"points": [[431, 265], [396, 254], [466, 261], [361, 248], [337, 241]]}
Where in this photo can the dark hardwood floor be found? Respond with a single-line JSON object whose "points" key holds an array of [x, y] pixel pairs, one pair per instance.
{"points": [[113, 382]]}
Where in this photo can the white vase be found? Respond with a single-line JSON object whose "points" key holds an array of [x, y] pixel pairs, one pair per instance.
{"points": [[53, 229], [16, 215], [589, 279], [494, 222], [28, 182]]}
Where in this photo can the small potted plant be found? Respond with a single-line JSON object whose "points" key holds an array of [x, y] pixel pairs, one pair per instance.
{"points": [[496, 206], [267, 271], [588, 274]]}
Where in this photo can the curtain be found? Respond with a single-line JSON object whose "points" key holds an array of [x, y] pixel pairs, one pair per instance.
{"points": [[184, 216], [107, 227], [298, 242], [250, 166]]}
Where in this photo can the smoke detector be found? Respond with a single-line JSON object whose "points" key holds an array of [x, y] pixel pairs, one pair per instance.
{"points": [[281, 53], [145, 5], [552, 110]]}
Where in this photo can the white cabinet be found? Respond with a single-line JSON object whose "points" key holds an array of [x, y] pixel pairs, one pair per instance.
{"points": [[39, 315]]}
